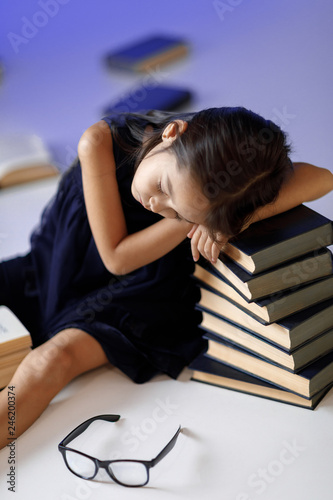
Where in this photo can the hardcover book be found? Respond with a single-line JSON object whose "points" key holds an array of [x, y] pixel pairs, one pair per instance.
{"points": [[289, 333], [271, 241], [307, 383], [24, 158], [147, 53], [145, 98], [209, 371], [272, 308], [13, 334], [293, 360], [301, 270], [15, 344]]}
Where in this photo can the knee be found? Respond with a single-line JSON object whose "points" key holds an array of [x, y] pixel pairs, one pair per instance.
{"points": [[49, 363]]}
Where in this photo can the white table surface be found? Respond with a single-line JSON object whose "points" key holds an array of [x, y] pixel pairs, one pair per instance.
{"points": [[273, 57]]}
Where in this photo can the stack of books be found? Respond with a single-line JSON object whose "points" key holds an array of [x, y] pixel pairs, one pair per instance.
{"points": [[267, 307], [15, 344]]}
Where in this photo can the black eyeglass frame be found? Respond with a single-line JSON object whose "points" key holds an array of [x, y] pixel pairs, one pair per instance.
{"points": [[104, 464]]}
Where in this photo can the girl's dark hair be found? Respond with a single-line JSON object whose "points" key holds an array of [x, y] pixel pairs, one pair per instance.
{"points": [[239, 159]]}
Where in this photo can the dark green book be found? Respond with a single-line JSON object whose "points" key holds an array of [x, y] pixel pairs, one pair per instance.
{"points": [[147, 53], [293, 360], [271, 241], [289, 333], [209, 371], [267, 309], [306, 383], [291, 274], [162, 97]]}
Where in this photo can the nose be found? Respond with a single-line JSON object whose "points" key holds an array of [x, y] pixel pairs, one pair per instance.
{"points": [[161, 207], [156, 205]]}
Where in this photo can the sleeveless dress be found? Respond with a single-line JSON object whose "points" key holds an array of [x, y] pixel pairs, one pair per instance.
{"points": [[145, 321]]}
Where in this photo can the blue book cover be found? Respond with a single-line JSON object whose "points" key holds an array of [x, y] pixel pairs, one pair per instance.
{"points": [[308, 382], [212, 372], [280, 238]]}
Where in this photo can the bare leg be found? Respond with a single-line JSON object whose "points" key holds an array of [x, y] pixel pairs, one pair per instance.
{"points": [[44, 372]]}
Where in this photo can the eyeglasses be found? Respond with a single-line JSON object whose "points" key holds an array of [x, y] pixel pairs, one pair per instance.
{"points": [[131, 473]]}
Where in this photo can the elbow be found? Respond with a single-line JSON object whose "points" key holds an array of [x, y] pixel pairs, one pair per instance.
{"points": [[329, 180], [325, 185], [117, 266], [117, 271], [310, 182]]}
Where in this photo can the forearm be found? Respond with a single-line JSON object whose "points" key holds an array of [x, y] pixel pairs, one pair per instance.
{"points": [[144, 247], [128, 251], [120, 252], [307, 183]]}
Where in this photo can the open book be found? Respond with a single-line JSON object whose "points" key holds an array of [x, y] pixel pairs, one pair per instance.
{"points": [[15, 344], [24, 158]]}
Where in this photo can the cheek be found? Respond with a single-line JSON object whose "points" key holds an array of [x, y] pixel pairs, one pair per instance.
{"points": [[168, 213], [140, 176], [197, 201], [137, 180], [147, 184]]}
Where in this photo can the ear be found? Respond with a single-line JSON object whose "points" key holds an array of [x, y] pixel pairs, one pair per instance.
{"points": [[173, 130]]}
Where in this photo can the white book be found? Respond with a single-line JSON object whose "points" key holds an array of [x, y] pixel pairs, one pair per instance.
{"points": [[13, 334], [24, 158]]}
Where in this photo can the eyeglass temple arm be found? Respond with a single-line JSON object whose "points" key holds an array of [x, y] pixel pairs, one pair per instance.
{"points": [[167, 448], [82, 427]]}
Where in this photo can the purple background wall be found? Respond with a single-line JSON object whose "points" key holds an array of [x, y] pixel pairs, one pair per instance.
{"points": [[273, 57]]}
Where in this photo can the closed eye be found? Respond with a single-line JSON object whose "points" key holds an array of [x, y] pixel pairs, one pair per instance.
{"points": [[179, 217], [159, 187], [160, 190]]}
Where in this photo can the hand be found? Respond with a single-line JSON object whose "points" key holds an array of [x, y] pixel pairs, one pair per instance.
{"points": [[202, 243]]}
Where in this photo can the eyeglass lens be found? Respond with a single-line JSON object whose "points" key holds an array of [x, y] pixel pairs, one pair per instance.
{"points": [[126, 472], [129, 473], [80, 465]]}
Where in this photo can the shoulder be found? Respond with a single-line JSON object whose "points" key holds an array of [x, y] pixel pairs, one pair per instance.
{"points": [[122, 134], [96, 136]]}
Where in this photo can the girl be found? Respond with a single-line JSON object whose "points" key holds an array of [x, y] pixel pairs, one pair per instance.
{"points": [[108, 277]]}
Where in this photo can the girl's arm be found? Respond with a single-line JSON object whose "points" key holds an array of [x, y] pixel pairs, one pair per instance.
{"points": [[307, 183], [120, 252]]}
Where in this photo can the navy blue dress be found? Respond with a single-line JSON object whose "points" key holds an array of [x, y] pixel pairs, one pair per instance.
{"points": [[145, 321]]}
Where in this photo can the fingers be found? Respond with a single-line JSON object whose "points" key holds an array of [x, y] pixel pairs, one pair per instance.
{"points": [[192, 231], [208, 249], [202, 243], [215, 252], [195, 238]]}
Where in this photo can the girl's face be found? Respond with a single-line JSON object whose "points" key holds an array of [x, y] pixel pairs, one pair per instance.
{"points": [[160, 186]]}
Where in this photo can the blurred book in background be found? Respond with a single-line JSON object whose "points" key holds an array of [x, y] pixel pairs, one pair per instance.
{"points": [[150, 96], [148, 53], [24, 158], [15, 344]]}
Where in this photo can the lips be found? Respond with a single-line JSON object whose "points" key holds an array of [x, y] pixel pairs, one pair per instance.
{"points": [[147, 207], [138, 198]]}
